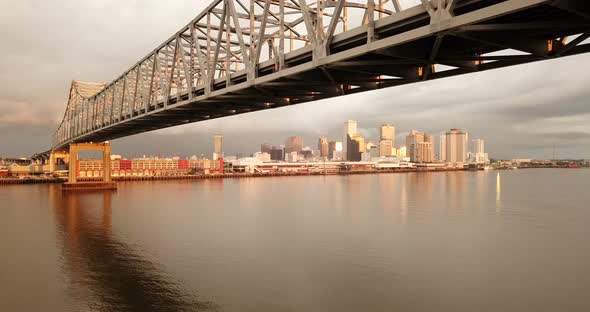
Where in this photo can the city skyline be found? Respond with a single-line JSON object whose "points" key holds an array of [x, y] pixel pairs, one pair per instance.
{"points": [[248, 155], [213, 146], [521, 111]]}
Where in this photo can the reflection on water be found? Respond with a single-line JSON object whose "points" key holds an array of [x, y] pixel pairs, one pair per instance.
{"points": [[498, 191], [107, 274], [445, 242]]}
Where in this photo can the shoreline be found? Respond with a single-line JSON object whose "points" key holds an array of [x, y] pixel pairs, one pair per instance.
{"points": [[13, 181]]}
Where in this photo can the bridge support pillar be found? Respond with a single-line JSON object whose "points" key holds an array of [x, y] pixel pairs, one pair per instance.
{"points": [[106, 159], [73, 172], [106, 183]]}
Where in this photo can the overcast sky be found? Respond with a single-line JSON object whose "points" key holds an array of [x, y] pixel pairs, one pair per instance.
{"points": [[519, 111]]}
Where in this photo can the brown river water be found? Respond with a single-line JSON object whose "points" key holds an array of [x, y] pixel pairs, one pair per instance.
{"points": [[448, 241]]}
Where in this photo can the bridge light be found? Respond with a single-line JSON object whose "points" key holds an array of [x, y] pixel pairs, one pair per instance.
{"points": [[550, 45], [420, 71], [478, 62]]}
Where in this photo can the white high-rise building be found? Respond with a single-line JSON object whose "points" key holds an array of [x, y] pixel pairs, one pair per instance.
{"points": [[349, 132], [442, 148], [478, 154], [477, 146], [456, 146]]}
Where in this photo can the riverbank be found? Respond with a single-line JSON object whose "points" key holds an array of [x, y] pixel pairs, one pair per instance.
{"points": [[38, 180]]}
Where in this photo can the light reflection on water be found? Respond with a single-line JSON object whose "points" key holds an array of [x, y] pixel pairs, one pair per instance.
{"points": [[456, 241], [105, 273], [498, 191]]}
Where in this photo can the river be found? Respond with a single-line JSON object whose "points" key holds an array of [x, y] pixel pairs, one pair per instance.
{"points": [[448, 241]]}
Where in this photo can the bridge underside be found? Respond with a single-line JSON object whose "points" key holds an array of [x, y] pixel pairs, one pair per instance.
{"points": [[403, 48]]}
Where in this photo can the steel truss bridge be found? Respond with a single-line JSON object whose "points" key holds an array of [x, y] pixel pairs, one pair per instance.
{"points": [[240, 56]]}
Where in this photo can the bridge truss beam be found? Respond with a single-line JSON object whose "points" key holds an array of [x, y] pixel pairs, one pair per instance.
{"points": [[241, 56]]}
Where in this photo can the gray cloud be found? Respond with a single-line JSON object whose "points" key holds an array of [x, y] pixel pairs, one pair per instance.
{"points": [[568, 136], [520, 111]]}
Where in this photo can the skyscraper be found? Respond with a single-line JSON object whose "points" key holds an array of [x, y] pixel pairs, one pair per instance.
{"points": [[424, 152], [323, 146], [412, 140], [356, 147], [388, 132], [385, 148], [294, 144], [331, 149], [387, 141], [456, 146], [276, 153], [478, 154], [218, 147], [349, 132], [428, 138], [442, 148], [477, 146], [265, 148]]}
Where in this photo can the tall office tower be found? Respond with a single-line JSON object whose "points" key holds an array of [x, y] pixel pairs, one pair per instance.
{"points": [[331, 149], [442, 148], [456, 146], [218, 148], [294, 144], [387, 141], [276, 153], [412, 140], [265, 148], [430, 139], [323, 146], [356, 147], [424, 152], [386, 148], [388, 133], [349, 132], [477, 146]]}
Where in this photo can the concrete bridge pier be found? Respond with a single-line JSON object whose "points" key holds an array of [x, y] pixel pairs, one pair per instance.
{"points": [[106, 184]]}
